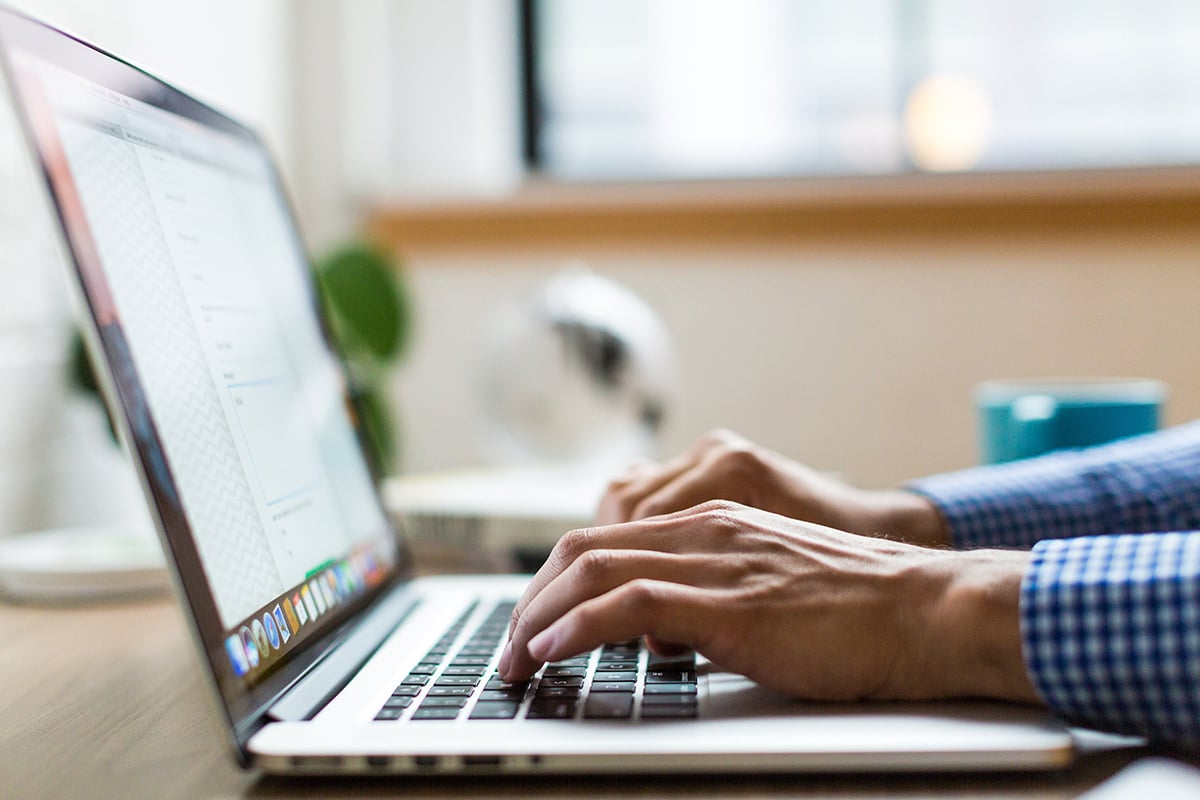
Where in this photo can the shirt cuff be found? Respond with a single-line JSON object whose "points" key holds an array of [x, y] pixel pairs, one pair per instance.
{"points": [[1144, 484], [1110, 630], [1015, 505]]}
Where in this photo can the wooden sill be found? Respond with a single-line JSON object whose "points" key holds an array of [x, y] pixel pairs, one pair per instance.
{"points": [[542, 214]]}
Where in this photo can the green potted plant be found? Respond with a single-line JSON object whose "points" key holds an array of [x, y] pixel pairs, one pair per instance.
{"points": [[371, 316]]}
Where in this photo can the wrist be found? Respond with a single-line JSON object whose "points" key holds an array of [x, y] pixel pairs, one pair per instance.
{"points": [[972, 636], [909, 517]]}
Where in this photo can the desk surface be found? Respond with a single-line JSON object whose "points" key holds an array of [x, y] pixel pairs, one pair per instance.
{"points": [[107, 701]]}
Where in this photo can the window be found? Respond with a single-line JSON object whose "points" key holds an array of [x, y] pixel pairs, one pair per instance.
{"points": [[627, 89]]}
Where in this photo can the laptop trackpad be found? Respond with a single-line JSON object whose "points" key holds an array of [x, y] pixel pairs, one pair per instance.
{"points": [[733, 697]]}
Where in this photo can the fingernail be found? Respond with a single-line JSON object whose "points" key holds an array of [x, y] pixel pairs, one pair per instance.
{"points": [[505, 659], [540, 646]]}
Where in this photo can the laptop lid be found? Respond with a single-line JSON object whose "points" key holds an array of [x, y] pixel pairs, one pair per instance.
{"points": [[200, 302]]}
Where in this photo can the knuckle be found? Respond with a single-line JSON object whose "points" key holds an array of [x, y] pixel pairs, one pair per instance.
{"points": [[617, 486], [741, 461], [595, 564], [623, 498], [722, 517], [574, 543], [642, 595], [716, 510]]}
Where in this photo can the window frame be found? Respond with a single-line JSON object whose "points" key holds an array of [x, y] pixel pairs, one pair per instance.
{"points": [[532, 116]]}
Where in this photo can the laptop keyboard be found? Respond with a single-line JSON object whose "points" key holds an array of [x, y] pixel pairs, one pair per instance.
{"points": [[457, 679]]}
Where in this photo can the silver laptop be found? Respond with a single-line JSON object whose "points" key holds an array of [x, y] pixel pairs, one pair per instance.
{"points": [[323, 653]]}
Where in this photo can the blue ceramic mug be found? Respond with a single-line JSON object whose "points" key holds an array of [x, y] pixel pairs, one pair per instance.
{"points": [[1025, 418]]}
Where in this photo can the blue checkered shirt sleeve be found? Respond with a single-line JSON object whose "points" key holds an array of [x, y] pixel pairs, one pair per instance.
{"points": [[1110, 606]]}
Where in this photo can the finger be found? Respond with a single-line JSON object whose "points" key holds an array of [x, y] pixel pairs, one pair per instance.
{"points": [[664, 611], [665, 649], [623, 494], [689, 489], [678, 532], [596, 573], [639, 482]]}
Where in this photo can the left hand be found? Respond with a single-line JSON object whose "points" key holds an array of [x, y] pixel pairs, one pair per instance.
{"points": [[809, 610], [721, 465]]}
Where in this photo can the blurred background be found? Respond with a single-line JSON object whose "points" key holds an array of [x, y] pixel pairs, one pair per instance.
{"points": [[846, 213]]}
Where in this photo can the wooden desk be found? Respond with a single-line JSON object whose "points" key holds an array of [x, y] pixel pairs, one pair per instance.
{"points": [[108, 702]]}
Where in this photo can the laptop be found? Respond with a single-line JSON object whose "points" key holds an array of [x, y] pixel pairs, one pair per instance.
{"points": [[324, 653]]}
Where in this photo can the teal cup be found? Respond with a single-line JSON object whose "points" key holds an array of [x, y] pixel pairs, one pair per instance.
{"points": [[1026, 418]]}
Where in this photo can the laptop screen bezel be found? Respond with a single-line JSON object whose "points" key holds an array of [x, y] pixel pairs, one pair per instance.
{"points": [[244, 704]]}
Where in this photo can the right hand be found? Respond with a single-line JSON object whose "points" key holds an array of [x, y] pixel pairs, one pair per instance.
{"points": [[724, 466], [808, 610]]}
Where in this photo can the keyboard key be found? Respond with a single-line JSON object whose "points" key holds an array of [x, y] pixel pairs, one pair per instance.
{"points": [[612, 686], [669, 712], [617, 675], [671, 662], [574, 661], [669, 688], [489, 631], [621, 666], [415, 680], [477, 650], [451, 691], [561, 682], [609, 706], [423, 669], [406, 691], [495, 709], [502, 694], [469, 661], [618, 658], [670, 676], [668, 700], [435, 713], [457, 680], [551, 709], [496, 682], [558, 691], [564, 672], [476, 671], [444, 702], [398, 702], [387, 713]]}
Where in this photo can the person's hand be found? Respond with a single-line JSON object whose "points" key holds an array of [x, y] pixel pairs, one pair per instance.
{"points": [[724, 466], [812, 611]]}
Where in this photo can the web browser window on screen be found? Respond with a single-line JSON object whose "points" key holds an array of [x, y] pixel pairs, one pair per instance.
{"points": [[205, 274]]}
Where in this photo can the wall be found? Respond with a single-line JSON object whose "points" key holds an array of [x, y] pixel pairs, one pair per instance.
{"points": [[855, 353]]}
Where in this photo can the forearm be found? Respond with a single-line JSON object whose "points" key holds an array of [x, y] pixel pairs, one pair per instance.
{"points": [[1147, 484]]}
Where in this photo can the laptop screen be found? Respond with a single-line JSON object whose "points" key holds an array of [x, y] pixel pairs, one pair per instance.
{"points": [[205, 308]]}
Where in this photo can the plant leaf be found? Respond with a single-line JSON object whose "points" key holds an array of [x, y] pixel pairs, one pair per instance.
{"points": [[370, 309]]}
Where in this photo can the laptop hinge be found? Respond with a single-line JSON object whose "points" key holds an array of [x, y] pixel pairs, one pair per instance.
{"points": [[331, 674]]}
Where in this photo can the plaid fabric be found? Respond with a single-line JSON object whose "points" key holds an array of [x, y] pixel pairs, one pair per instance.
{"points": [[1110, 620], [1111, 630], [1140, 485]]}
